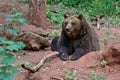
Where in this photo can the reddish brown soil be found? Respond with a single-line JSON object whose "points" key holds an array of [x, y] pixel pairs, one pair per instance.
{"points": [[85, 66]]}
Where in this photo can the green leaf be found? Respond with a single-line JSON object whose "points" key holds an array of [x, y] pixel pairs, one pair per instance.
{"points": [[6, 76], [10, 15], [9, 76], [8, 42], [9, 68], [7, 59], [103, 62], [21, 20], [20, 45], [18, 15], [2, 76], [14, 70], [9, 19], [12, 47], [2, 39], [2, 50], [70, 76], [66, 71], [15, 46], [13, 31], [24, 24]]}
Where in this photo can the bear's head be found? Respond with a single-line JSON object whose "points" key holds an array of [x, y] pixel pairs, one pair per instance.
{"points": [[72, 25]]}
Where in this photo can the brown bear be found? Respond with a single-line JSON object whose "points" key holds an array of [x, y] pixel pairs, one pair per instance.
{"points": [[77, 38]]}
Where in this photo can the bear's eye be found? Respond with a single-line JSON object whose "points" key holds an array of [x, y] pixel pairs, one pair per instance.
{"points": [[73, 23], [66, 23]]}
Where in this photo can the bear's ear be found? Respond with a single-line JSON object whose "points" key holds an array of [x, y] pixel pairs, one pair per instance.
{"points": [[81, 17], [66, 15]]}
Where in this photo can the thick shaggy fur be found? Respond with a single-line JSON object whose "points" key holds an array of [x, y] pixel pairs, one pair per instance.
{"points": [[77, 38]]}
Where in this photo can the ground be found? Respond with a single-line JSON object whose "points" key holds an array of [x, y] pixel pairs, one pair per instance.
{"points": [[84, 66], [88, 67]]}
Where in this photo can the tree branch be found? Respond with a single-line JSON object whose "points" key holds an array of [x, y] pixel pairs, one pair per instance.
{"points": [[41, 63]]}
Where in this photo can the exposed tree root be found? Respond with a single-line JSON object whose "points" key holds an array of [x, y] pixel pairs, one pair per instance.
{"points": [[41, 63]]}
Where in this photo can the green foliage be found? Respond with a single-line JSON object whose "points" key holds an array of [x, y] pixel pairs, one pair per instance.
{"points": [[103, 62], [70, 3], [53, 34], [54, 17], [89, 8], [13, 31], [16, 19], [14, 46], [114, 20], [25, 1], [9, 29], [7, 68], [102, 7], [53, 1], [70, 74], [59, 26], [97, 7], [95, 76], [11, 45]]}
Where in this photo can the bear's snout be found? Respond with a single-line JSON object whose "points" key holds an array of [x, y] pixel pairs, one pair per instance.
{"points": [[67, 29]]}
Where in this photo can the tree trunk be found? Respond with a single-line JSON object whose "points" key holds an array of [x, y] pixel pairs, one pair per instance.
{"points": [[37, 13]]}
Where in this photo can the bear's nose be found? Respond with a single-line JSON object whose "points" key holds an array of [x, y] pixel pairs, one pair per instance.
{"points": [[67, 29]]}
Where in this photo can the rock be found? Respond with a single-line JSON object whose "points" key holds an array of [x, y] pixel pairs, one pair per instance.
{"points": [[111, 53]]}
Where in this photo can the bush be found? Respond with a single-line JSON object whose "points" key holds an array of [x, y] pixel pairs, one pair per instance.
{"points": [[7, 67], [70, 3], [54, 17], [16, 19], [10, 29], [97, 7], [93, 7]]}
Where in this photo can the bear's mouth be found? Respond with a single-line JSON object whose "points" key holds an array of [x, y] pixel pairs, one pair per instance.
{"points": [[72, 33], [69, 32]]}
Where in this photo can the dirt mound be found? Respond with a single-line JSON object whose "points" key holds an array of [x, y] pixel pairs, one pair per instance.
{"points": [[112, 53]]}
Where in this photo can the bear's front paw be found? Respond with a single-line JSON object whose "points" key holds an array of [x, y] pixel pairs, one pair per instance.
{"points": [[64, 56], [75, 57]]}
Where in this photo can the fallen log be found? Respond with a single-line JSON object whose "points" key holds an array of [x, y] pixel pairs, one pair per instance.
{"points": [[33, 40]]}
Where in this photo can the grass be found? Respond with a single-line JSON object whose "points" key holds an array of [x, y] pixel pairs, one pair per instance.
{"points": [[53, 34], [70, 74], [95, 76]]}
